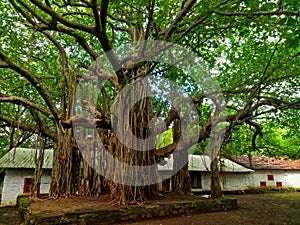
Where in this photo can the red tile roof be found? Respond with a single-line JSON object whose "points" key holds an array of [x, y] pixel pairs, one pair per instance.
{"points": [[264, 162]]}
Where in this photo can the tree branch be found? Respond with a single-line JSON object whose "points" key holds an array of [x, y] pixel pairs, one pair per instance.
{"points": [[168, 32], [61, 19], [48, 25], [41, 123], [186, 143], [150, 17], [60, 48], [21, 140], [4, 64], [26, 127], [31, 10], [261, 13], [34, 81], [277, 103], [258, 129], [71, 32], [25, 103], [81, 121], [103, 14], [96, 14]]}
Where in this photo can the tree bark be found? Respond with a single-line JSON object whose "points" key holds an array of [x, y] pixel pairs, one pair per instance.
{"points": [[138, 149], [61, 177], [181, 181], [215, 146], [216, 190], [39, 161]]}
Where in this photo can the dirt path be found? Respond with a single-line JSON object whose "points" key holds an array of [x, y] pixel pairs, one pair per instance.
{"points": [[268, 209], [254, 209], [9, 216]]}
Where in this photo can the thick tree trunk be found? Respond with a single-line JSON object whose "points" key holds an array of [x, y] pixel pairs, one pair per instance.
{"points": [[89, 180], [215, 146], [128, 194], [216, 190], [181, 181], [39, 160], [138, 149], [61, 177], [71, 173]]}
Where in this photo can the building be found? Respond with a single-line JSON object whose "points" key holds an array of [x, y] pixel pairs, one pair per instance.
{"points": [[19, 165], [233, 176], [272, 172], [2, 173]]}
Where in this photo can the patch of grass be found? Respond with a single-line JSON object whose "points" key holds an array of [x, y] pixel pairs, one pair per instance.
{"points": [[134, 211], [289, 195], [25, 202], [169, 205]]}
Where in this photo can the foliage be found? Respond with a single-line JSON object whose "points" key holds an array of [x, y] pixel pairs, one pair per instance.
{"points": [[251, 47], [274, 142], [165, 139], [24, 201]]}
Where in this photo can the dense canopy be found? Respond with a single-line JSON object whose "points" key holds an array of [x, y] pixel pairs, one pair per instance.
{"points": [[251, 48]]}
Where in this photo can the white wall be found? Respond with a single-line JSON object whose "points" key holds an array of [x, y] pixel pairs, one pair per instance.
{"points": [[229, 181], [245, 181], [289, 178], [205, 181], [237, 181], [14, 184]]}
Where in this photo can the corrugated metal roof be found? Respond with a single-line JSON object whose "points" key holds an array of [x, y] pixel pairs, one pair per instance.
{"points": [[202, 163], [24, 158]]}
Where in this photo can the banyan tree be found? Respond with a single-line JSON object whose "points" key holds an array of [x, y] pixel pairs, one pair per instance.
{"points": [[99, 81]]}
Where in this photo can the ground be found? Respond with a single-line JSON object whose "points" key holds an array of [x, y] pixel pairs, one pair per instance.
{"points": [[9, 216], [253, 209]]}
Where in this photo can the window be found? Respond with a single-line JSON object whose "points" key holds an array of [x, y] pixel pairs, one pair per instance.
{"points": [[271, 177], [28, 183], [196, 179], [278, 184], [263, 184], [166, 185]]}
